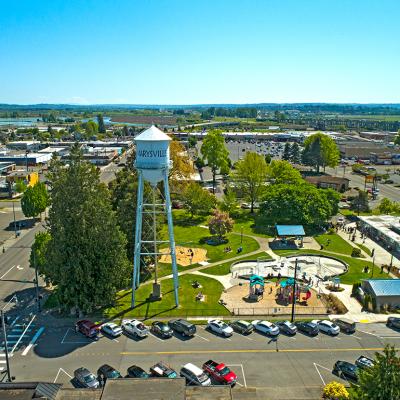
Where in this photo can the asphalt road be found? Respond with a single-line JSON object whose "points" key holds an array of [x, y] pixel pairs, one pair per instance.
{"points": [[295, 362]]}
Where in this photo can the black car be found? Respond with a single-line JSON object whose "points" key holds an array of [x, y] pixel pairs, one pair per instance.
{"points": [[346, 370], [287, 327], [308, 327], [393, 322], [136, 372], [107, 372], [183, 327], [161, 370], [242, 327], [161, 329]]}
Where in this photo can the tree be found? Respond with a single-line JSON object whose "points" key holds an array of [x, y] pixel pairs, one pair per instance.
{"points": [[397, 138], [250, 176], [387, 206], [38, 255], [35, 200], [91, 128], [197, 200], [268, 158], [85, 255], [320, 151], [280, 171], [214, 151], [382, 380], [302, 204], [220, 224], [20, 186], [335, 391], [100, 122], [182, 167], [286, 152], [229, 202], [360, 202], [192, 141], [295, 154]]}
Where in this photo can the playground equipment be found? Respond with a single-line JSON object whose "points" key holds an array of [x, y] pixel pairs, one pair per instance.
{"points": [[256, 287], [285, 291]]}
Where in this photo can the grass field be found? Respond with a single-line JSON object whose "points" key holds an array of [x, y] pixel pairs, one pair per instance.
{"points": [[334, 243], [189, 306], [364, 248], [356, 265], [246, 221], [225, 268]]}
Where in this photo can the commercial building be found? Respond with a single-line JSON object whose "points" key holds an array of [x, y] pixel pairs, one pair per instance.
{"points": [[385, 293], [30, 159], [328, 182], [383, 229], [24, 145]]}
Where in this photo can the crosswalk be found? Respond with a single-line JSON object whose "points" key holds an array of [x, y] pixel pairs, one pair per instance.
{"points": [[18, 336]]}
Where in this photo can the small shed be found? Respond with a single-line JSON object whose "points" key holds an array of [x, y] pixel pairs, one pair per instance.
{"points": [[383, 291]]}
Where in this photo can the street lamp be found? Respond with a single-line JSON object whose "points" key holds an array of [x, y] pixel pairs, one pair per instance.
{"points": [[294, 291]]}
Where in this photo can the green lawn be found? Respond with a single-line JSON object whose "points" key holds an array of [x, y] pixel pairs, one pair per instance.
{"points": [[225, 268], [356, 265], [246, 222], [336, 243], [189, 306], [364, 248]]}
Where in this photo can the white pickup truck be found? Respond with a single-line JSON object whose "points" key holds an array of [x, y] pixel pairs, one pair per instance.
{"points": [[135, 328]]}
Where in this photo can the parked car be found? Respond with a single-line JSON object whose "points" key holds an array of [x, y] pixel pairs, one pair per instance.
{"points": [[393, 322], [287, 327], [364, 362], [345, 325], [183, 327], [87, 328], [85, 378], [345, 370], [194, 375], [107, 372], [161, 329], [219, 327], [220, 372], [266, 327], [136, 372], [135, 328], [327, 327], [162, 370], [112, 329], [242, 327], [309, 328]]}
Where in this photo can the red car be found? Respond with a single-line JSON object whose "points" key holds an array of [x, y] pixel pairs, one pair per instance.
{"points": [[87, 328], [220, 372]]}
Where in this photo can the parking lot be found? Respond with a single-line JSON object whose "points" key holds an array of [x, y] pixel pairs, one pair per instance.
{"points": [[299, 361]]}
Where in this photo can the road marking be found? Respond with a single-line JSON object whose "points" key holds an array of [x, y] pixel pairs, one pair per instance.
{"points": [[115, 340], [238, 351], [15, 321], [23, 333], [66, 333], [319, 373], [246, 337], [241, 367], [33, 341], [20, 268], [154, 336], [1, 277], [368, 333], [58, 373], [201, 337]]}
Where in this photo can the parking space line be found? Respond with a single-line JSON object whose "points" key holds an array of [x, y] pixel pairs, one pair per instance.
{"points": [[246, 337], [58, 373], [241, 367], [23, 333], [33, 341], [319, 373], [201, 337], [1, 277], [15, 321], [154, 336], [66, 333]]}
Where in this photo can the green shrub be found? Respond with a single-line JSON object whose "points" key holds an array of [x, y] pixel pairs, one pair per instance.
{"points": [[356, 252]]}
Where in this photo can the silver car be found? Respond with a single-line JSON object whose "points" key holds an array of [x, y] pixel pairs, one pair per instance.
{"points": [[85, 378]]}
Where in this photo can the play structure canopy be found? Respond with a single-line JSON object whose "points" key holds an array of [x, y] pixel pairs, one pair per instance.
{"points": [[290, 230], [256, 280]]}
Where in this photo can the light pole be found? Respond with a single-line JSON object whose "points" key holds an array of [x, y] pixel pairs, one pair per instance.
{"points": [[241, 234], [3, 324], [294, 291]]}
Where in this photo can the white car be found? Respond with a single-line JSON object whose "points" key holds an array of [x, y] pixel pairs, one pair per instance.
{"points": [[266, 327], [195, 375], [219, 327], [328, 327], [111, 329], [135, 328]]}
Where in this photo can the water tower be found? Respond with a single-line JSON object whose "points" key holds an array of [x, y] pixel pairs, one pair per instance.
{"points": [[153, 164]]}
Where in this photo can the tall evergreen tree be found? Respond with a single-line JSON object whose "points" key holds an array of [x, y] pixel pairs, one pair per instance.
{"points": [[295, 155], [286, 152], [85, 255], [100, 122]]}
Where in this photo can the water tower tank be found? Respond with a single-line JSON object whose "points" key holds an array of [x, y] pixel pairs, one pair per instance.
{"points": [[152, 154]]}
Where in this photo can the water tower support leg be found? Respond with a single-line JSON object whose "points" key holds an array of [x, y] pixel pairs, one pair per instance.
{"points": [[138, 239], [171, 236]]}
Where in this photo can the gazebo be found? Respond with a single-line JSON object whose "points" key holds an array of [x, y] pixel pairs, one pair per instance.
{"points": [[287, 231]]}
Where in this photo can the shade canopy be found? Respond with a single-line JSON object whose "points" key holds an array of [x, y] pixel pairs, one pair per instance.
{"points": [[290, 230]]}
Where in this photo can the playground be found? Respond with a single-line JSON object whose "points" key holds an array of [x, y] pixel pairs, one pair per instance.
{"points": [[185, 256]]}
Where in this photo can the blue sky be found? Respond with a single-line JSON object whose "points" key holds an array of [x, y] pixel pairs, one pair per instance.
{"points": [[190, 52]]}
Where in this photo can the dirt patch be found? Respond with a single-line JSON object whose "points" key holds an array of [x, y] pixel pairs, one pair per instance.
{"points": [[185, 256]]}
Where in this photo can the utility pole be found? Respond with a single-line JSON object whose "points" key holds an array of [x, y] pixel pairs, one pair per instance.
{"points": [[294, 291], [36, 281], [5, 346], [15, 222]]}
